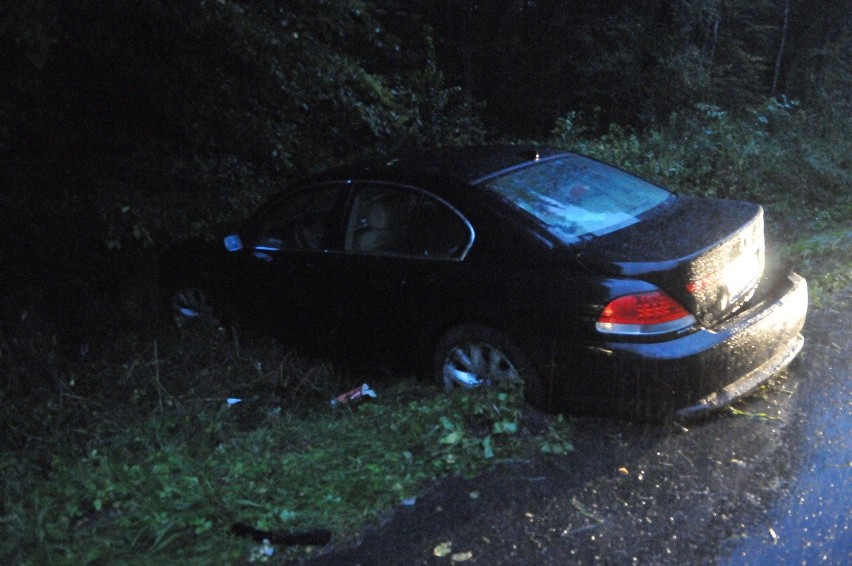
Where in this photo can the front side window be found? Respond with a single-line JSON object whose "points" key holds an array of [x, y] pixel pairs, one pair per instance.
{"points": [[400, 221], [576, 196], [298, 222]]}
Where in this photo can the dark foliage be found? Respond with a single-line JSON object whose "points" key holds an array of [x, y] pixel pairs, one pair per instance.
{"points": [[634, 63]]}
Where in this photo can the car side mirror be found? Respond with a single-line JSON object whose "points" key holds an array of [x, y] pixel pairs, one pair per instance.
{"points": [[233, 243]]}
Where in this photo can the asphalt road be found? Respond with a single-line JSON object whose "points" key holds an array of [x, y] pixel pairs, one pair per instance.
{"points": [[770, 486]]}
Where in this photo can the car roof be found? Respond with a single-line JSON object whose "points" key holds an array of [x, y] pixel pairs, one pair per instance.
{"points": [[467, 164]]}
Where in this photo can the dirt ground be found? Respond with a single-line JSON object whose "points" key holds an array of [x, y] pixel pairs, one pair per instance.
{"points": [[767, 486]]}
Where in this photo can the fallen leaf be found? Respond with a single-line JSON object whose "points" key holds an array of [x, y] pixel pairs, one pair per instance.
{"points": [[443, 549]]}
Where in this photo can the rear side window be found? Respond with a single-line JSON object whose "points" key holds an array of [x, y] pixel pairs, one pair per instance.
{"points": [[575, 196], [401, 221], [299, 221]]}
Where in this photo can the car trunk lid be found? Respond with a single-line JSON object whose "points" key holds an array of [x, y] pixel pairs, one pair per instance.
{"points": [[706, 253]]}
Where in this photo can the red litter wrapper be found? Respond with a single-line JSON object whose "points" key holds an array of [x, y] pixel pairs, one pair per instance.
{"points": [[353, 395]]}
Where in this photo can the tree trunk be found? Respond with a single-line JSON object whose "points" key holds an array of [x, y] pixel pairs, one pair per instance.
{"points": [[717, 23], [785, 26]]}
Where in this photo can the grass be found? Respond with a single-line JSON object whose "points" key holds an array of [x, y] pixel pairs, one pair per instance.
{"points": [[823, 258], [162, 475]]}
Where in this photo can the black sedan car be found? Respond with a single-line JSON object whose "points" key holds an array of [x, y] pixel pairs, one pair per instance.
{"points": [[601, 291]]}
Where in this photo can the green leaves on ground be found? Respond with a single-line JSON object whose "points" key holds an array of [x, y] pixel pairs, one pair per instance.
{"points": [[166, 482]]}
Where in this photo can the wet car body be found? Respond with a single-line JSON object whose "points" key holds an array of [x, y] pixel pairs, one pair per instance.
{"points": [[485, 272]]}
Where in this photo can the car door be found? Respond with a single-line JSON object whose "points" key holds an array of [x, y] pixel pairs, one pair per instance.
{"points": [[403, 248], [288, 270]]}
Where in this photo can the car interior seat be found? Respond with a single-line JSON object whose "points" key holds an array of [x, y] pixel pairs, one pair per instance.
{"points": [[382, 227]]}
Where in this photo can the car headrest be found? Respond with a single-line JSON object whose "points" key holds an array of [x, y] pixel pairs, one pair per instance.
{"points": [[378, 215]]}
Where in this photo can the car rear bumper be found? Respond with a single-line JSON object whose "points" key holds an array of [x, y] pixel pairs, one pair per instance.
{"points": [[693, 375], [744, 385]]}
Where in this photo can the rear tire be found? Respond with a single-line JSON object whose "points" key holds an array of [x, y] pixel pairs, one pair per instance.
{"points": [[473, 356], [190, 305]]}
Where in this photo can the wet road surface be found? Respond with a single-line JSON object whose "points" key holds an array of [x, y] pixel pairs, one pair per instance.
{"points": [[810, 524], [768, 486]]}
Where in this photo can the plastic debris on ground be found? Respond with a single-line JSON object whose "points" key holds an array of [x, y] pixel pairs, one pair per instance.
{"points": [[353, 396]]}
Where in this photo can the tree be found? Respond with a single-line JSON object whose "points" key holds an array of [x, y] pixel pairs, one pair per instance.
{"points": [[783, 41]]}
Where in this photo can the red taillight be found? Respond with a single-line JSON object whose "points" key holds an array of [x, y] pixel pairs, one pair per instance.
{"points": [[653, 312]]}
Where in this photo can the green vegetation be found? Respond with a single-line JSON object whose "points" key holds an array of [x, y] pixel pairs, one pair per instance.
{"points": [[157, 467], [126, 126], [824, 259]]}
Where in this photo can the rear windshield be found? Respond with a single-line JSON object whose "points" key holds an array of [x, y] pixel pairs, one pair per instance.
{"points": [[576, 196]]}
